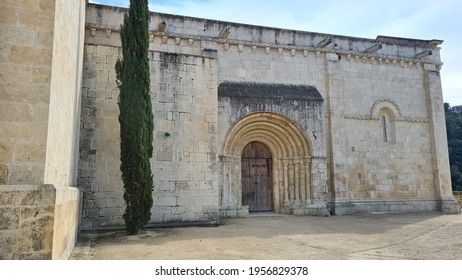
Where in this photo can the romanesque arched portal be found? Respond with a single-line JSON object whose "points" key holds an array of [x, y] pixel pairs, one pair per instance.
{"points": [[291, 161]]}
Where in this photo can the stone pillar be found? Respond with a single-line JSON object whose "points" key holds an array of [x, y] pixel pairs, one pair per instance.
{"points": [[286, 181], [440, 154], [276, 185], [297, 180], [303, 196], [291, 181], [236, 182], [307, 165], [319, 180], [226, 192], [338, 164]]}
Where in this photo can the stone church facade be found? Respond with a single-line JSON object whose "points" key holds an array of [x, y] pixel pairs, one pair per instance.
{"points": [[247, 119]]}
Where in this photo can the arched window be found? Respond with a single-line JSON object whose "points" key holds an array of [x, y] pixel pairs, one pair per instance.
{"points": [[386, 112], [384, 128], [387, 125]]}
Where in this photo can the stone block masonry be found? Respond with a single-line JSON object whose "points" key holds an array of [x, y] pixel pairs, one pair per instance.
{"points": [[24, 102], [373, 139], [333, 152], [26, 222], [41, 53], [38, 221], [185, 148]]}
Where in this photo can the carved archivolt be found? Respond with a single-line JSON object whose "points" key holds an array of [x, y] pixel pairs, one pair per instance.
{"points": [[283, 136], [290, 148], [386, 104]]}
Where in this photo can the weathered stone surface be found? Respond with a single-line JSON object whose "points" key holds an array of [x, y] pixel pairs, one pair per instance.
{"points": [[186, 152], [27, 217], [40, 104], [343, 94], [450, 206], [348, 131], [26, 221], [9, 218], [3, 173]]}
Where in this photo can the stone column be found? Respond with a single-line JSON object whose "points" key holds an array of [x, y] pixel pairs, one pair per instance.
{"points": [[286, 181], [280, 168], [226, 192], [303, 196], [276, 185], [236, 197], [307, 164], [335, 98], [297, 180], [291, 181]]}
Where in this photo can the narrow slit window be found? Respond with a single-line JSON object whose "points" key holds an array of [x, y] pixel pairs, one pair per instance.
{"points": [[384, 129]]}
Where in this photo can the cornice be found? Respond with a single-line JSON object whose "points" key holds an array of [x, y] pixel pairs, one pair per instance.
{"points": [[224, 45]]}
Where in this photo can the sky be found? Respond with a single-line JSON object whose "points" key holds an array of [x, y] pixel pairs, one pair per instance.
{"points": [[423, 19]]}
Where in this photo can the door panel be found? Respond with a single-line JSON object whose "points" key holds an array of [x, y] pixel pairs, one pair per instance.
{"points": [[257, 188]]}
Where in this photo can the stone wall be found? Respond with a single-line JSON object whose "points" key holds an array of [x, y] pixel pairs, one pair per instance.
{"points": [[185, 149], [369, 168], [360, 80], [26, 221], [38, 222], [26, 36], [42, 43]]}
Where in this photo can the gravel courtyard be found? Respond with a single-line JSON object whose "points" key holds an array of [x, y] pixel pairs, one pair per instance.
{"points": [[266, 236]]}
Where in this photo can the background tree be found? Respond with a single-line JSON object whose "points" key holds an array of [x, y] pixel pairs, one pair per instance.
{"points": [[135, 118], [454, 132]]}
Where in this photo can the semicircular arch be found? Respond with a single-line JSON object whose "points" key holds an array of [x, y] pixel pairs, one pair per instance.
{"points": [[284, 137], [386, 105]]}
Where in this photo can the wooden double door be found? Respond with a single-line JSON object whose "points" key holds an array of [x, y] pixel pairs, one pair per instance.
{"points": [[257, 177]]}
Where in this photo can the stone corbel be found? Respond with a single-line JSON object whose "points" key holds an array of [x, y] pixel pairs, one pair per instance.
{"points": [[324, 43], [223, 34], [374, 48], [161, 27], [423, 54]]}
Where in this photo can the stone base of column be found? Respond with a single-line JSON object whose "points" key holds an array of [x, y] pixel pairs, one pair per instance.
{"points": [[450, 206], [306, 210], [234, 211]]}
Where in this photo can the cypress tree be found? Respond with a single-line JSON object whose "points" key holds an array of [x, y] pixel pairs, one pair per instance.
{"points": [[135, 118]]}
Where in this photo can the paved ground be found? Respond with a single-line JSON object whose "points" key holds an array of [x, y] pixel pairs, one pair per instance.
{"points": [[375, 236]]}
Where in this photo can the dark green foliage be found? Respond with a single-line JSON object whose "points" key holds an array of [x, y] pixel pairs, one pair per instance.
{"points": [[136, 119], [454, 132]]}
